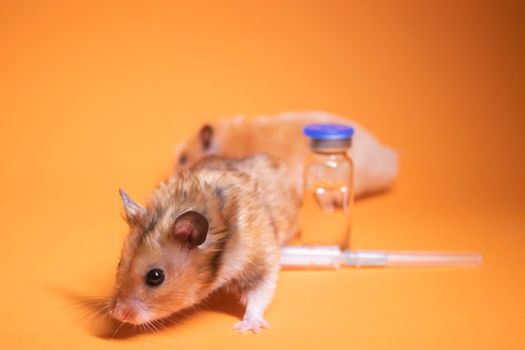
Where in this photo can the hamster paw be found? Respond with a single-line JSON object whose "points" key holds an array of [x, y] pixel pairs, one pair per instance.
{"points": [[251, 324]]}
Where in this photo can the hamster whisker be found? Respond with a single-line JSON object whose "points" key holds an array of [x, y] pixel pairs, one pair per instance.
{"points": [[71, 308], [95, 298], [148, 327], [91, 301], [87, 313], [171, 321], [154, 326], [163, 326], [75, 305], [116, 330], [102, 311], [157, 307]]}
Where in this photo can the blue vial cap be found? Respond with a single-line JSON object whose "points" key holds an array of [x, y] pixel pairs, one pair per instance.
{"points": [[328, 131]]}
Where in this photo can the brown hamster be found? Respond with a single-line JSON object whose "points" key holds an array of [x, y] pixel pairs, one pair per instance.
{"points": [[218, 224], [375, 165]]}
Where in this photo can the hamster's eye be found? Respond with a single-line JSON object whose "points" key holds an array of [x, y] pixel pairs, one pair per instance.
{"points": [[155, 277], [183, 159]]}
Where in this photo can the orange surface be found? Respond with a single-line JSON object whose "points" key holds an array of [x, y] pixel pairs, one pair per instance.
{"points": [[94, 96]]}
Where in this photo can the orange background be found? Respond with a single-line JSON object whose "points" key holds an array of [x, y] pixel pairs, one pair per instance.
{"points": [[94, 96]]}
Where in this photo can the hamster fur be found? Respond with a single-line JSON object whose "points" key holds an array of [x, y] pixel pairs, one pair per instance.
{"points": [[218, 224], [375, 165]]}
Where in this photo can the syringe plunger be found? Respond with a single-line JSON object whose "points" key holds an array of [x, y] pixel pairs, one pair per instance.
{"points": [[333, 257]]}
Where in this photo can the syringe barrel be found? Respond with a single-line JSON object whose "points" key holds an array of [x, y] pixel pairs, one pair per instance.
{"points": [[432, 259], [380, 258], [310, 257]]}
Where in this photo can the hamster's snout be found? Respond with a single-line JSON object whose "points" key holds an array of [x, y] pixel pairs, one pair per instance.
{"points": [[129, 311]]}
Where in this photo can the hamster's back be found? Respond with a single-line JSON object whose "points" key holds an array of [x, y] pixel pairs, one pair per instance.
{"points": [[276, 189]]}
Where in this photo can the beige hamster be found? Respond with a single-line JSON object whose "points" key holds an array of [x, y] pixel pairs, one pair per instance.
{"points": [[375, 165], [218, 224]]}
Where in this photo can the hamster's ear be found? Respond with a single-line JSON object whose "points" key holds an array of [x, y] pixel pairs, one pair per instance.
{"points": [[134, 212], [191, 227], [206, 136]]}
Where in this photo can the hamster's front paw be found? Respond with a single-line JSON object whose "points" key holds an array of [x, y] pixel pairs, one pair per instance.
{"points": [[251, 324]]}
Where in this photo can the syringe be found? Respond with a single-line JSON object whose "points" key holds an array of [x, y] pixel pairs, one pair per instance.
{"points": [[301, 257]]}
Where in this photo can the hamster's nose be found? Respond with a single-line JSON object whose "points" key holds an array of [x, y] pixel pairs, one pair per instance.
{"points": [[124, 313]]}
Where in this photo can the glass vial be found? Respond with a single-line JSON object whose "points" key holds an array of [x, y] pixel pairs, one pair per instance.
{"points": [[328, 186]]}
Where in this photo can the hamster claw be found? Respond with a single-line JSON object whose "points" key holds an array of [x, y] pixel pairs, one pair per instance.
{"points": [[250, 325]]}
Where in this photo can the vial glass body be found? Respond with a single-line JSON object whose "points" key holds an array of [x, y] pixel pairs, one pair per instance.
{"points": [[328, 197]]}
